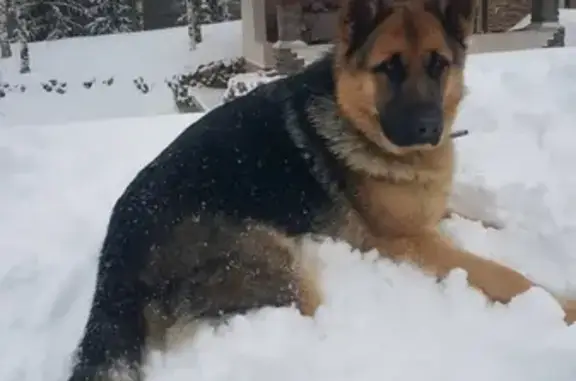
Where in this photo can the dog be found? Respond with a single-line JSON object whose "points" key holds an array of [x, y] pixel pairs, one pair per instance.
{"points": [[356, 146]]}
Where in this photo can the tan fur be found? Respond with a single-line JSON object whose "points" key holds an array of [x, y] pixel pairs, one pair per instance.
{"points": [[401, 194]]}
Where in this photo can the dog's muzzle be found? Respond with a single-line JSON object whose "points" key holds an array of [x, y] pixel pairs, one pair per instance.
{"points": [[417, 124]]}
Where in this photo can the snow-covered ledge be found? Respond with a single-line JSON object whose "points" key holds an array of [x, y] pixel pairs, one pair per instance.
{"points": [[242, 84]]}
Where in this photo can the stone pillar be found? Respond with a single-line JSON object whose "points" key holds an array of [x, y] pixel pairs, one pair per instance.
{"points": [[289, 16], [256, 49], [545, 11]]}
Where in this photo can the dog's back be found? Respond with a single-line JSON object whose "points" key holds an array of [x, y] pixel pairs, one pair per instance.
{"points": [[237, 160]]}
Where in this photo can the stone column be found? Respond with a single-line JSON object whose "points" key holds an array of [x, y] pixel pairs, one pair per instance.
{"points": [[289, 16], [256, 49], [544, 11]]}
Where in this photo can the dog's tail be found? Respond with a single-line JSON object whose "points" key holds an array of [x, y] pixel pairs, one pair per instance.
{"points": [[114, 335]]}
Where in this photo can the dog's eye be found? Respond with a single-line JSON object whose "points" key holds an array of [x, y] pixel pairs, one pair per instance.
{"points": [[436, 64], [393, 67]]}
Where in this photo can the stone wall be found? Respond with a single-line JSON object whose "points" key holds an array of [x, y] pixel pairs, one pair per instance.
{"points": [[504, 14]]}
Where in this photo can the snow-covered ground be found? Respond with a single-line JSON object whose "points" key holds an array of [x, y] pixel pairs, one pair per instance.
{"points": [[153, 55], [380, 321]]}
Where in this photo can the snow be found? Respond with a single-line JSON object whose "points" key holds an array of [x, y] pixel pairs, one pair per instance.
{"points": [[380, 321], [153, 55]]}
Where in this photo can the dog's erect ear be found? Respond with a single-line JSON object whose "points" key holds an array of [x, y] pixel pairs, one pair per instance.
{"points": [[456, 15], [359, 18]]}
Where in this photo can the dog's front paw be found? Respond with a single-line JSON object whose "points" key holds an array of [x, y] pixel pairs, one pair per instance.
{"points": [[569, 307]]}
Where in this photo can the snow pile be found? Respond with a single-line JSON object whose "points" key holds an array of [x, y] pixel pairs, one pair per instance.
{"points": [[380, 321], [383, 322]]}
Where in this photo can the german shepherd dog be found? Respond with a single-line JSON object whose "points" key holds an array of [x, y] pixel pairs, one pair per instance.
{"points": [[355, 147]]}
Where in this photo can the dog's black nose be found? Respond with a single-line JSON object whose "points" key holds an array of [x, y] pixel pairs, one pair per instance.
{"points": [[427, 124], [413, 124], [429, 127]]}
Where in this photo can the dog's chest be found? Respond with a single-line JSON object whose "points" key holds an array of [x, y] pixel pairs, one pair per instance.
{"points": [[380, 209]]}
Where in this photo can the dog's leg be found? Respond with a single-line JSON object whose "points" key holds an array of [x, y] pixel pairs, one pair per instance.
{"points": [[309, 294], [220, 267], [437, 255], [271, 269], [569, 307]]}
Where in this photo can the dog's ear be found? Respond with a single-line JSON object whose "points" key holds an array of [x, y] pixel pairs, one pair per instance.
{"points": [[358, 19], [457, 16]]}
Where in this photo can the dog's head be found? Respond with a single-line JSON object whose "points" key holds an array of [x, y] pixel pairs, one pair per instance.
{"points": [[399, 69]]}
